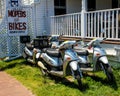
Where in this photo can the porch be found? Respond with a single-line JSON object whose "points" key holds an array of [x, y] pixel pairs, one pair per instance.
{"points": [[95, 22]]}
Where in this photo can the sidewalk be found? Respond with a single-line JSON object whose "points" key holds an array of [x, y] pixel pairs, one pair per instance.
{"points": [[11, 87]]}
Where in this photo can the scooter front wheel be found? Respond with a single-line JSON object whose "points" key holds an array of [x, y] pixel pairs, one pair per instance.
{"points": [[78, 78], [79, 81], [109, 72]]}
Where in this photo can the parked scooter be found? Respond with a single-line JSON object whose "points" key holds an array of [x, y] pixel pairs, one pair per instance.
{"points": [[100, 61], [36, 45], [61, 61], [32, 47]]}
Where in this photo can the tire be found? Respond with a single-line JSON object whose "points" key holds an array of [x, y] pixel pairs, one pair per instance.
{"points": [[79, 81], [108, 72], [78, 78]]}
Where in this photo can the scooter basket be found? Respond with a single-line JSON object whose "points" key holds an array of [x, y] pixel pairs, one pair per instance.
{"points": [[41, 43]]}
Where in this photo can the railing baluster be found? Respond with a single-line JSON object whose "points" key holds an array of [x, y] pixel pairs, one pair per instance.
{"points": [[117, 14], [98, 24], [76, 25], [109, 24], [68, 25], [95, 24], [92, 25], [79, 25], [73, 25], [52, 27], [113, 25], [101, 23], [55, 26], [88, 25], [77, 22], [66, 18], [105, 22]]}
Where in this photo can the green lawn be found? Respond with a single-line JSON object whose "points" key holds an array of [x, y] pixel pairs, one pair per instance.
{"points": [[30, 76]]}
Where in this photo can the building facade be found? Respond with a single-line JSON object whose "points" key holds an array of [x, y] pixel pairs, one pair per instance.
{"points": [[73, 18], [44, 9]]}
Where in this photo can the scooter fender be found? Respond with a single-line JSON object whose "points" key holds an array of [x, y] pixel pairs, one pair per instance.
{"points": [[41, 65], [103, 59], [73, 65]]}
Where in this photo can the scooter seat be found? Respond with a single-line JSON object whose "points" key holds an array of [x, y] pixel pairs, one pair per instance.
{"points": [[82, 52], [52, 52]]}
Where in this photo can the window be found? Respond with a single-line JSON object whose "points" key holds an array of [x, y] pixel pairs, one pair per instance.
{"points": [[91, 4], [60, 7], [114, 3], [59, 2]]}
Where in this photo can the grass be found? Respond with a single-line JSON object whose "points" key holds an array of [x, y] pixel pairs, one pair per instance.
{"points": [[30, 76]]}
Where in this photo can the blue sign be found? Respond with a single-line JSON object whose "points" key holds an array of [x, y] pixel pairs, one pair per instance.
{"points": [[14, 3]]}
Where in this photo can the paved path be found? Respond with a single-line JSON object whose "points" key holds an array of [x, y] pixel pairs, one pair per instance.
{"points": [[9, 86]]}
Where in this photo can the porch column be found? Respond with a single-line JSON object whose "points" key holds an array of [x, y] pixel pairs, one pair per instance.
{"points": [[83, 18]]}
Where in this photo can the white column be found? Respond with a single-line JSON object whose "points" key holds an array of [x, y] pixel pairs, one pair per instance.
{"points": [[83, 18]]}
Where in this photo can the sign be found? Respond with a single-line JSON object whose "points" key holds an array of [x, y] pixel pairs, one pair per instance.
{"points": [[17, 19], [14, 3]]}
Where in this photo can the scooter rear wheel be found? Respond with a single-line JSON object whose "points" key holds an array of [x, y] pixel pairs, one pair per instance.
{"points": [[24, 55], [44, 72]]}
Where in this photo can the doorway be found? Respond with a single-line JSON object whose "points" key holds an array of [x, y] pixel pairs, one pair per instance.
{"points": [[91, 5], [114, 3]]}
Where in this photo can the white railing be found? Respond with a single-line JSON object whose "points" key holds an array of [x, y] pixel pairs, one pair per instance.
{"points": [[69, 24], [97, 22], [103, 20]]}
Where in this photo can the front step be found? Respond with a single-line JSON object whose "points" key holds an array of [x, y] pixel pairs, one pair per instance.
{"points": [[89, 69], [57, 73]]}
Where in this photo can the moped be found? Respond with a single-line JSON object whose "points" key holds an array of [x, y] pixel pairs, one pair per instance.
{"points": [[99, 58], [32, 47], [61, 61], [36, 45]]}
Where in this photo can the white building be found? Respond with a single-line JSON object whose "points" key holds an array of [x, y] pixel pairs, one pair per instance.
{"points": [[87, 10]]}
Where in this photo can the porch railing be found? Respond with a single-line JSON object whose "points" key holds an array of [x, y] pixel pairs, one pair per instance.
{"points": [[107, 21], [69, 25]]}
